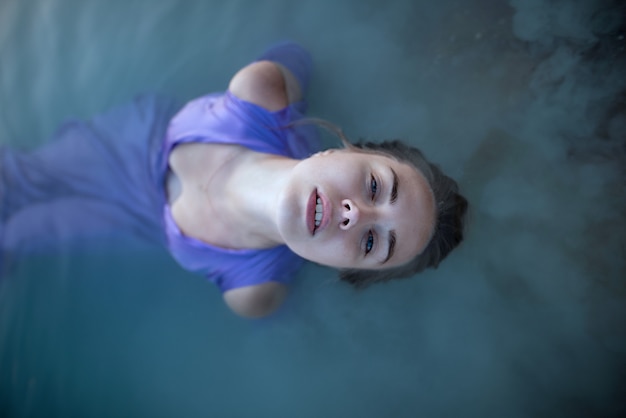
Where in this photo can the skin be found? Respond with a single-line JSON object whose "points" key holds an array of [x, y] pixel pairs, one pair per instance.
{"points": [[359, 213], [215, 189]]}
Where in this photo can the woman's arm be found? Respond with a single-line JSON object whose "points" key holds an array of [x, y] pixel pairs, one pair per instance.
{"points": [[272, 86], [266, 84], [256, 301]]}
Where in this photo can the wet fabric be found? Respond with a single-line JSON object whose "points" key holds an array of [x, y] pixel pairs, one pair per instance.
{"points": [[105, 177], [225, 119], [96, 178]]}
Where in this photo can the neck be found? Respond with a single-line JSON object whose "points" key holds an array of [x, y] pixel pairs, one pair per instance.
{"points": [[251, 195]]}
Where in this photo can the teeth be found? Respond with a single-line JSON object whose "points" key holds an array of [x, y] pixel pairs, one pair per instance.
{"points": [[318, 212]]}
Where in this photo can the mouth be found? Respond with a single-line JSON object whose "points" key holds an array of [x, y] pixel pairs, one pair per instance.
{"points": [[316, 213]]}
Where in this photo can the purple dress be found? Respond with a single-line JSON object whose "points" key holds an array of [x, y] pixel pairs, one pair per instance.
{"points": [[105, 178], [226, 119]]}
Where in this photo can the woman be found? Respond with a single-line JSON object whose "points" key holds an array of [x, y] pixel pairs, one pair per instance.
{"points": [[236, 189]]}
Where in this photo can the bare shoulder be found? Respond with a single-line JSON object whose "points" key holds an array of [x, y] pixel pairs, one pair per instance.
{"points": [[256, 301], [261, 83]]}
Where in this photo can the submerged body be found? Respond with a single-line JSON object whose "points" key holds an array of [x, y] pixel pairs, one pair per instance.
{"points": [[228, 183], [110, 177]]}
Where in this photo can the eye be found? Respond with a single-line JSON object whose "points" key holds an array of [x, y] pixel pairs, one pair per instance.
{"points": [[369, 244], [373, 186]]}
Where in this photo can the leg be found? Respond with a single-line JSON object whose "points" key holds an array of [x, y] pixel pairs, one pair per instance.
{"points": [[115, 158], [66, 223], [56, 169]]}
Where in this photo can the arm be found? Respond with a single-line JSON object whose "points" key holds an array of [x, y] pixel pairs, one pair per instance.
{"points": [[278, 79], [256, 301], [266, 84]]}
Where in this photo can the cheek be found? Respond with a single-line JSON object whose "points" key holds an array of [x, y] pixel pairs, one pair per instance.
{"points": [[337, 253]]}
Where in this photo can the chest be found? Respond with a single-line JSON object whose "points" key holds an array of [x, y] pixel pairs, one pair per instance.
{"points": [[194, 187]]}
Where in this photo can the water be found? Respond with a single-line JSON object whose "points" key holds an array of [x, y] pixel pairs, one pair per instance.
{"points": [[521, 101]]}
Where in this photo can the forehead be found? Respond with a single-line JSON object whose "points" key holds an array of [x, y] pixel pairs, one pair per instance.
{"points": [[413, 216], [375, 159]]}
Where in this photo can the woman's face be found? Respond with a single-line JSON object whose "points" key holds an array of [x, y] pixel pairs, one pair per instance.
{"points": [[349, 209]]}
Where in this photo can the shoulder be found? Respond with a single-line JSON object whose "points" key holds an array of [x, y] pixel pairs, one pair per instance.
{"points": [[256, 301], [261, 83]]}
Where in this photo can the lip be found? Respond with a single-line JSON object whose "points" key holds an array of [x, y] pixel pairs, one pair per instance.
{"points": [[310, 212]]}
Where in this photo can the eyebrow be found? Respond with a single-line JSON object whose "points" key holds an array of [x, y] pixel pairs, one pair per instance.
{"points": [[394, 188], [392, 245], [393, 197]]}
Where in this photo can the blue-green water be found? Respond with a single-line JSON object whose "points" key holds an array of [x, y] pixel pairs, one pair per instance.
{"points": [[521, 101]]}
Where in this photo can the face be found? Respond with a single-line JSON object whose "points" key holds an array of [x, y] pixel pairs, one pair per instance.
{"points": [[349, 209]]}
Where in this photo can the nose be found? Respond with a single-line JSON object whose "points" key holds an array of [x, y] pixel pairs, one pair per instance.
{"points": [[349, 214]]}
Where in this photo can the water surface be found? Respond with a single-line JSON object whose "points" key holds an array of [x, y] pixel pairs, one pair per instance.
{"points": [[521, 101]]}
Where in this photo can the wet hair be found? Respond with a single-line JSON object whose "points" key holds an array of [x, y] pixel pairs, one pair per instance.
{"points": [[450, 210]]}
